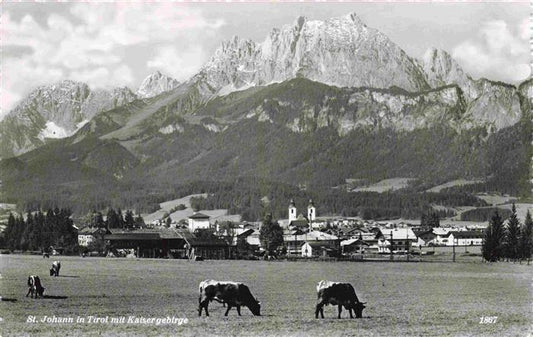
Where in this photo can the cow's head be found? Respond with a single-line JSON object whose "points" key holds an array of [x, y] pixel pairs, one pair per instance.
{"points": [[358, 309], [255, 307], [52, 271]]}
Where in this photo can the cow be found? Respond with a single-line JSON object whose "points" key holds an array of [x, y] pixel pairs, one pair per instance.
{"points": [[234, 294], [341, 294], [56, 266], [35, 287], [46, 255], [204, 284]]}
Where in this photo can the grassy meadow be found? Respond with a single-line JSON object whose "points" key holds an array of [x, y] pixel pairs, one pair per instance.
{"points": [[404, 299]]}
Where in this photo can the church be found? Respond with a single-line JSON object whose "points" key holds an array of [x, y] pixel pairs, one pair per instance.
{"points": [[298, 220]]}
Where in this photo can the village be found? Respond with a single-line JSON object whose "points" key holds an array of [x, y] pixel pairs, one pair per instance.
{"points": [[305, 236]]}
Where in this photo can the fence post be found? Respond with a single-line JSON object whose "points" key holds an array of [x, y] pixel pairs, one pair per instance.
{"points": [[453, 245], [391, 257]]}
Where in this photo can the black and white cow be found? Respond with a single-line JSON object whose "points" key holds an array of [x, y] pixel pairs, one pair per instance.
{"points": [[56, 266], [35, 287], [234, 294], [341, 294]]}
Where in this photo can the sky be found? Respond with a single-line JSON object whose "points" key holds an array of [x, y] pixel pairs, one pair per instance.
{"points": [[118, 44]]}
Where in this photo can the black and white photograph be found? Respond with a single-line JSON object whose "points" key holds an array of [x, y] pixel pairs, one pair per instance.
{"points": [[266, 168]]}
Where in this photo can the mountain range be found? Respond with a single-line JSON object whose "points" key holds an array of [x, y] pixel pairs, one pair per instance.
{"points": [[315, 103]]}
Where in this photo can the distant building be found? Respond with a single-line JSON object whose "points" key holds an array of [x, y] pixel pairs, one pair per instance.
{"points": [[402, 240], [441, 236], [465, 238], [300, 220], [168, 242], [317, 248], [198, 221], [87, 235], [425, 238], [353, 246], [294, 240]]}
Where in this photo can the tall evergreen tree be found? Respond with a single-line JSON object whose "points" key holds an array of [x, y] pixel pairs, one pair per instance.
{"points": [[25, 240], [271, 235], [113, 220], [129, 221], [526, 238], [492, 247], [9, 232], [512, 235], [120, 218], [139, 222]]}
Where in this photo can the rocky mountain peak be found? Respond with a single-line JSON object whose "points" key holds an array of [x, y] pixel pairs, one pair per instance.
{"points": [[340, 51], [55, 111], [155, 84], [441, 69]]}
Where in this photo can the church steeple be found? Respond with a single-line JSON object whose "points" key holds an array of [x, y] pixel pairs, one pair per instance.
{"points": [[292, 211], [311, 211]]}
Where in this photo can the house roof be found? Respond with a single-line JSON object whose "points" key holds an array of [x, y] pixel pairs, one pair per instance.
{"points": [[199, 216], [356, 242], [315, 244], [400, 234], [466, 234], [311, 236], [441, 231], [132, 236], [246, 232], [91, 231]]}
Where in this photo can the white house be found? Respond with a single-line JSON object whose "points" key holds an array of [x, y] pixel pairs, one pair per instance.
{"points": [[198, 221], [441, 236]]}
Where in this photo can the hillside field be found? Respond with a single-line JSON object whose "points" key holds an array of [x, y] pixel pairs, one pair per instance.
{"points": [[404, 299]]}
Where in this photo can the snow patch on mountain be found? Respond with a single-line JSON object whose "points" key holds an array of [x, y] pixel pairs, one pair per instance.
{"points": [[53, 130]]}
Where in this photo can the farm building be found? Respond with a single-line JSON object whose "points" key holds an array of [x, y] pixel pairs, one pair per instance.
{"points": [[152, 243], [167, 242], [198, 221]]}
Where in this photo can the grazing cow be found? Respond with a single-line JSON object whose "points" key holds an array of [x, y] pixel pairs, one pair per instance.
{"points": [[35, 287], [233, 293], [54, 271], [341, 294], [46, 255]]}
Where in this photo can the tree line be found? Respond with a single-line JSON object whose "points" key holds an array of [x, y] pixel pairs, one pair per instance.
{"points": [[40, 231], [513, 241], [114, 219]]}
